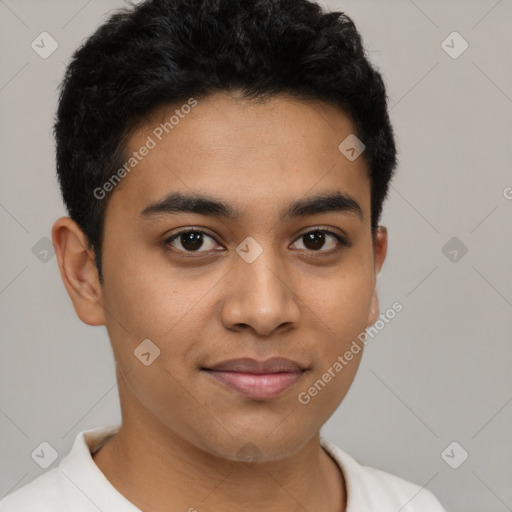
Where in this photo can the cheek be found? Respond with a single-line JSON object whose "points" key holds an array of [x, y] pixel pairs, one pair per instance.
{"points": [[170, 309], [343, 301], [326, 386], [342, 308], [153, 300], [339, 351]]}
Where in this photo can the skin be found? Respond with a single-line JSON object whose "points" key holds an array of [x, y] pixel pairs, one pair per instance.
{"points": [[183, 432]]}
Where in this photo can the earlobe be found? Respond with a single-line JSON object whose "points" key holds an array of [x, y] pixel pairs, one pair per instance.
{"points": [[78, 271], [380, 246]]}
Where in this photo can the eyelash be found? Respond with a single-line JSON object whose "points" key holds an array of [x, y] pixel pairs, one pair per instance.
{"points": [[342, 241]]}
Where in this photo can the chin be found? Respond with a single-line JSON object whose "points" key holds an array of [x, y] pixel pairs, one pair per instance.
{"points": [[254, 446]]}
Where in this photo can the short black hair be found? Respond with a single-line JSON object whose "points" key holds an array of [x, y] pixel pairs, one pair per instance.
{"points": [[166, 51]]}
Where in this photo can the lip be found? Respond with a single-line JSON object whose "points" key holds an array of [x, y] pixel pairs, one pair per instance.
{"points": [[258, 380]]}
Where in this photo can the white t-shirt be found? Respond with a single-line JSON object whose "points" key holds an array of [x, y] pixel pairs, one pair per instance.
{"points": [[76, 484]]}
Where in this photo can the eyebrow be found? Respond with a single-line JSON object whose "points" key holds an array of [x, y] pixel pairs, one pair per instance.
{"points": [[177, 202]]}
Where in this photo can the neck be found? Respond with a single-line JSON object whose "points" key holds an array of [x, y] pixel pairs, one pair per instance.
{"points": [[154, 468]]}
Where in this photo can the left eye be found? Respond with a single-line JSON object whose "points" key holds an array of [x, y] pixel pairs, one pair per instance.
{"points": [[316, 239], [193, 240]]}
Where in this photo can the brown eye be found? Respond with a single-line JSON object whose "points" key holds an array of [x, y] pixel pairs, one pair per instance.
{"points": [[314, 240], [317, 240], [191, 241]]}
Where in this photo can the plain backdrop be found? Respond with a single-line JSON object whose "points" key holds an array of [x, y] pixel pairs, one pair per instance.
{"points": [[439, 373]]}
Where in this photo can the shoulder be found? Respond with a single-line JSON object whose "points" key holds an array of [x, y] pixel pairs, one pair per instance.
{"points": [[76, 483], [43, 494], [372, 489]]}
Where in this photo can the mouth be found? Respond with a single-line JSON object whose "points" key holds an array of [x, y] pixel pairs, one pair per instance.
{"points": [[257, 380]]}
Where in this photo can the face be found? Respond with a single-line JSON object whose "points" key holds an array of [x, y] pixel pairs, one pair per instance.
{"points": [[240, 275]]}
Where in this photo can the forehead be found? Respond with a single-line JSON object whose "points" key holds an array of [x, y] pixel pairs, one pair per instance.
{"points": [[249, 153]]}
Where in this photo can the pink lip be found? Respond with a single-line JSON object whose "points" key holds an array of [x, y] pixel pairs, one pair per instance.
{"points": [[258, 380]]}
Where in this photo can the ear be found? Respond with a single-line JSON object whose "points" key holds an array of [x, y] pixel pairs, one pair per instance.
{"points": [[78, 270], [380, 247]]}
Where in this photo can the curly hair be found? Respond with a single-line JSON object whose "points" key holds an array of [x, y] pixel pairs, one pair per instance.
{"points": [[165, 51]]}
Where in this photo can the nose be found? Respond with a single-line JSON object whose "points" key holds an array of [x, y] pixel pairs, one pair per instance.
{"points": [[260, 297]]}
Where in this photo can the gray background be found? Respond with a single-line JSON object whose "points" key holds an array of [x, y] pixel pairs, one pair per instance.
{"points": [[439, 372]]}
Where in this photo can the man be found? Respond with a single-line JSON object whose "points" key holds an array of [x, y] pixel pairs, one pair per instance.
{"points": [[224, 165]]}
